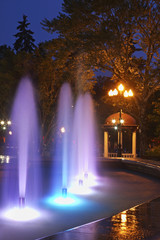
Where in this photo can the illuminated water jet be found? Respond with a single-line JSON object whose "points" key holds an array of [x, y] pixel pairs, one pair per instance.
{"points": [[75, 142], [21, 202], [64, 192], [23, 179], [80, 182], [86, 175]]}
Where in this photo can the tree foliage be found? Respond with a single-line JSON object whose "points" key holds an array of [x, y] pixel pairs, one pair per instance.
{"points": [[122, 37], [24, 39], [7, 80]]}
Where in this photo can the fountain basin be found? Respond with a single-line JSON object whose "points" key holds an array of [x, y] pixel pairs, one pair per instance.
{"points": [[117, 190]]}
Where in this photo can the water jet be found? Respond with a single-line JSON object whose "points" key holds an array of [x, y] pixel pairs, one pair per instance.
{"points": [[21, 202], [64, 192]]}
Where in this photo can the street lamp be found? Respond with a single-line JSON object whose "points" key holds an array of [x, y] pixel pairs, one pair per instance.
{"points": [[122, 92]]}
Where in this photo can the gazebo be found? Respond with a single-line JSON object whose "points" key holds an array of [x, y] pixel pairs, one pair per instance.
{"points": [[120, 121]]}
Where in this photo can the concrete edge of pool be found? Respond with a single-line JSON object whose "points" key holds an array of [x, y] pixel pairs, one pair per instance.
{"points": [[139, 222]]}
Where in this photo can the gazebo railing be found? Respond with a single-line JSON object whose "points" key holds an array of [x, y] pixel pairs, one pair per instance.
{"points": [[124, 155]]}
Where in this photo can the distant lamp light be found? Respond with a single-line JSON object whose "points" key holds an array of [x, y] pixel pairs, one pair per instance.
{"points": [[9, 122], [121, 87], [110, 93], [123, 217], [130, 93], [115, 92], [7, 159], [4, 128], [121, 121], [62, 130], [10, 132], [113, 121], [115, 128], [2, 122], [126, 94]]}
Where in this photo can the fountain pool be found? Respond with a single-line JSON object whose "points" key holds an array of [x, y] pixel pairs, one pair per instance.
{"points": [[117, 190], [47, 212]]}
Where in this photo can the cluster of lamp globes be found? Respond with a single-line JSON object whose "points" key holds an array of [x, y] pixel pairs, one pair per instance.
{"points": [[5, 124], [121, 89]]}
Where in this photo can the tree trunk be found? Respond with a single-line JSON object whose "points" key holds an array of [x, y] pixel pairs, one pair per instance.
{"points": [[143, 136]]}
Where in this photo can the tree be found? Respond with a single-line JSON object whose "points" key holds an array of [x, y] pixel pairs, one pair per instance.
{"points": [[120, 37], [24, 39], [8, 81]]}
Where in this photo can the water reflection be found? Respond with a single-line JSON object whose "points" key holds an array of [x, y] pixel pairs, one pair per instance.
{"points": [[141, 222]]}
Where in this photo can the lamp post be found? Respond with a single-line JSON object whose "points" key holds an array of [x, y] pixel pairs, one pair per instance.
{"points": [[120, 90]]}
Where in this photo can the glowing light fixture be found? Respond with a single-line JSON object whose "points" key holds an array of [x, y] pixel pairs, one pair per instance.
{"points": [[62, 129], [61, 201], [110, 93], [121, 87], [126, 93], [83, 187], [113, 121], [21, 214], [80, 190], [130, 93], [2, 122], [121, 121], [115, 92], [64, 201], [9, 122], [7, 159], [123, 217]]}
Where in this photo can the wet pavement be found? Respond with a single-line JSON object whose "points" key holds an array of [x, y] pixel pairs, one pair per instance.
{"points": [[137, 223], [140, 222]]}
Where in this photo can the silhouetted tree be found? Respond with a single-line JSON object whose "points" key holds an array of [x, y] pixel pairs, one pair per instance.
{"points": [[24, 39]]}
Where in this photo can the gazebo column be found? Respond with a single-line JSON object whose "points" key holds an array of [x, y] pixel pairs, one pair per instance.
{"points": [[134, 144], [120, 139], [105, 144]]}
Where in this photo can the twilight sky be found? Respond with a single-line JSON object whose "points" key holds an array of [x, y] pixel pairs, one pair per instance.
{"points": [[11, 11]]}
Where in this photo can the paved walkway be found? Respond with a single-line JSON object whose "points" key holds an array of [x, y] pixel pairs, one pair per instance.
{"points": [[137, 223]]}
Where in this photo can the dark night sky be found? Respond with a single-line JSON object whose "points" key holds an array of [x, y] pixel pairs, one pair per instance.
{"points": [[11, 11]]}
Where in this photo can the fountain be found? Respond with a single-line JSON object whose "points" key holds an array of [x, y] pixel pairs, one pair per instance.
{"points": [[63, 140], [25, 175], [75, 142], [74, 168], [84, 147]]}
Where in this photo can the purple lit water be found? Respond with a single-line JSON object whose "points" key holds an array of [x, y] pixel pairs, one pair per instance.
{"points": [[83, 150], [63, 137], [24, 177], [115, 191], [75, 148]]}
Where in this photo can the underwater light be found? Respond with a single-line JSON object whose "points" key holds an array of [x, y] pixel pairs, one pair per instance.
{"points": [[62, 201], [80, 190], [86, 179], [21, 214]]}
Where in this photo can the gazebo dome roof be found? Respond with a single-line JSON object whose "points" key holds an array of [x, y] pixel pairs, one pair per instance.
{"points": [[129, 121]]}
